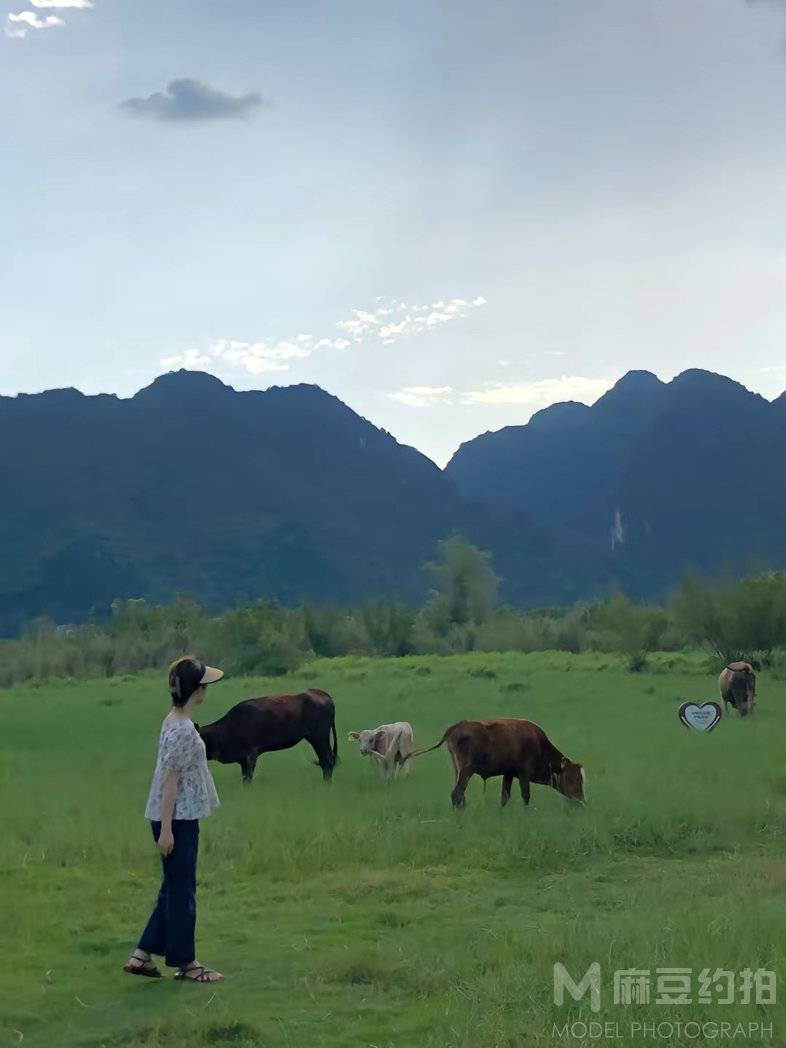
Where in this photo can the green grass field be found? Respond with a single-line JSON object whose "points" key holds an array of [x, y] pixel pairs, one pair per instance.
{"points": [[370, 914]]}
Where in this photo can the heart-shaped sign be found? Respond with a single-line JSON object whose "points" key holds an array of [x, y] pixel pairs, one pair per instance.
{"points": [[700, 718]]}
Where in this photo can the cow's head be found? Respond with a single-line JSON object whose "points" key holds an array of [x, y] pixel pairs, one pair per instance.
{"points": [[365, 740], [569, 779], [206, 736]]}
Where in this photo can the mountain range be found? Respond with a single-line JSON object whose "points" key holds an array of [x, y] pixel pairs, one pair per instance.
{"points": [[653, 477], [190, 486]]}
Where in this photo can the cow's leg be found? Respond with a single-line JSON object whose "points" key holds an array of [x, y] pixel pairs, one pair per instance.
{"points": [[457, 796], [382, 766], [406, 749], [385, 768], [524, 786], [405, 760], [390, 760], [455, 762], [378, 760], [507, 782], [247, 765]]}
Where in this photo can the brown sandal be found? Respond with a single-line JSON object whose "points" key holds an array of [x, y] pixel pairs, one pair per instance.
{"points": [[201, 974], [145, 967]]}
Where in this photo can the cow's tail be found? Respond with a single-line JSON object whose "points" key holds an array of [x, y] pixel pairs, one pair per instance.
{"points": [[335, 737], [418, 753]]}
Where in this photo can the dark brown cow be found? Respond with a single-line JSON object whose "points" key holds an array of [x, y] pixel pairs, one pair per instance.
{"points": [[277, 722], [514, 749], [737, 684]]}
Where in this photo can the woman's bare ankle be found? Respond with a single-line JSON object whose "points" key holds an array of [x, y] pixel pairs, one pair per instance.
{"points": [[198, 972]]}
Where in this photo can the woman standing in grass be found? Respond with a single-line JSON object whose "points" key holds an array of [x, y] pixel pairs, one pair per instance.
{"points": [[182, 793]]}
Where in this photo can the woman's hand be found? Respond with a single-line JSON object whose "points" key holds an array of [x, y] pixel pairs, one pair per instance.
{"points": [[166, 842]]}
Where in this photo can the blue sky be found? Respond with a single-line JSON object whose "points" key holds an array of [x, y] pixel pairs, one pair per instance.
{"points": [[446, 213]]}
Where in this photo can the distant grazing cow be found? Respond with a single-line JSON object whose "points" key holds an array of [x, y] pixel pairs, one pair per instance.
{"points": [[390, 745], [514, 749], [737, 685], [274, 723]]}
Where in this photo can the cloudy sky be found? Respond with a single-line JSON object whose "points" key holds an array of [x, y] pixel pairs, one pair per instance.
{"points": [[447, 212]]}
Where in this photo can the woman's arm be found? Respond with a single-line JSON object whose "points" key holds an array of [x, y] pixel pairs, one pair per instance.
{"points": [[166, 841]]}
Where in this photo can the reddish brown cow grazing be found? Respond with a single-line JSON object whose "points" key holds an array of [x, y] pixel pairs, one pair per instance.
{"points": [[514, 749]]}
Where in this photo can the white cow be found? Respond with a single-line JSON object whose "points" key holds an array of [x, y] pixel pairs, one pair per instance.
{"points": [[391, 746]]}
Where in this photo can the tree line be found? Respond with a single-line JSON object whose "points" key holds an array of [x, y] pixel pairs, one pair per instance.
{"points": [[730, 618]]}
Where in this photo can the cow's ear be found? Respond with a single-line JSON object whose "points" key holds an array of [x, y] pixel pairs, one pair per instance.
{"points": [[353, 736]]}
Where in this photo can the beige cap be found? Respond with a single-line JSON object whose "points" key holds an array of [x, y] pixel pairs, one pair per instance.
{"points": [[211, 675]]}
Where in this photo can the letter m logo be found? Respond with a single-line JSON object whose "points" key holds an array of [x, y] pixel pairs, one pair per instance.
{"points": [[591, 982]]}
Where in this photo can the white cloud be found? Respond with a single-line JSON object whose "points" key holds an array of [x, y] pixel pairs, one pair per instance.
{"points": [[256, 358], [423, 396], [332, 343], [191, 359], [396, 320], [386, 324], [534, 395], [540, 394], [18, 24]]}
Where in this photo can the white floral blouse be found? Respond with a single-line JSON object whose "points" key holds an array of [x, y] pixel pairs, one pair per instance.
{"points": [[180, 748]]}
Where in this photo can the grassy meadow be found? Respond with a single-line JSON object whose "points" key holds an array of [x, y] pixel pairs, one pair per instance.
{"points": [[369, 914]]}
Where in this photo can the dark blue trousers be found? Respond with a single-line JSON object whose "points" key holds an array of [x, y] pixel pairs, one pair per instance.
{"points": [[170, 930]]}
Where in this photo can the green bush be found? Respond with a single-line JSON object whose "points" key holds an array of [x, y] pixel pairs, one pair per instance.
{"points": [[735, 619], [730, 619]]}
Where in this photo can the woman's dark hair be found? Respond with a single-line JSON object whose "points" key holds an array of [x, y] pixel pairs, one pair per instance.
{"points": [[185, 676]]}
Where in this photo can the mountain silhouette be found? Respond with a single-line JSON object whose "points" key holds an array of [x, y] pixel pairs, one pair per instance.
{"points": [[192, 487], [653, 477]]}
